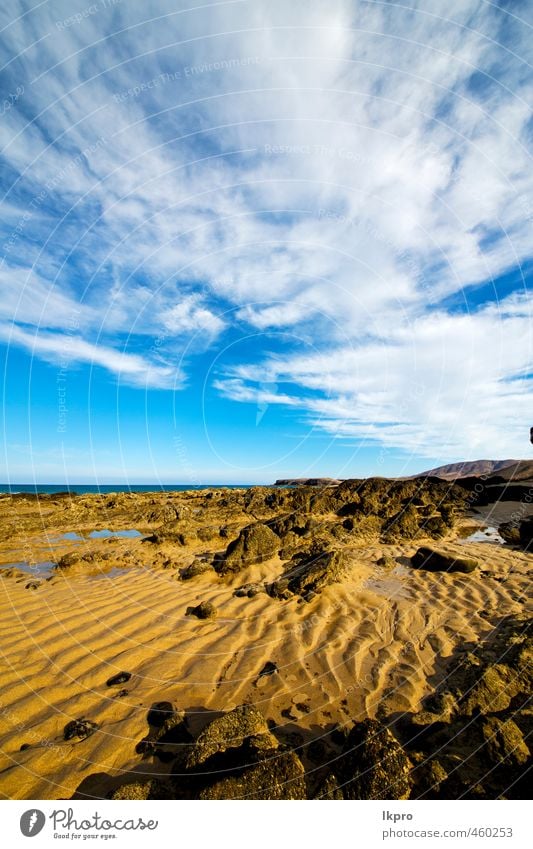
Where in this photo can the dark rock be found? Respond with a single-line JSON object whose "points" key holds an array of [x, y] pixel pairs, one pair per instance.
{"points": [[268, 669], [311, 572], [33, 585], [329, 789], [198, 567], [159, 713], [244, 725], [510, 531], [280, 775], [119, 678], [431, 560], [80, 728], [24, 747], [373, 764], [254, 544], [249, 590], [386, 562], [504, 742], [137, 790], [204, 610]]}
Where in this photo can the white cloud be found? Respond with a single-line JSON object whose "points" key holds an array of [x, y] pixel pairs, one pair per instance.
{"points": [[67, 350]]}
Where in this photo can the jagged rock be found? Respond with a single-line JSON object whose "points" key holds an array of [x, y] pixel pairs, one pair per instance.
{"points": [[254, 544], [493, 690], [510, 532], [167, 740], [504, 742], [428, 777], [81, 728], [387, 562], [161, 712], [198, 567], [243, 725], [280, 775], [268, 669], [204, 610], [310, 572], [119, 678], [373, 764], [519, 533], [431, 560]]}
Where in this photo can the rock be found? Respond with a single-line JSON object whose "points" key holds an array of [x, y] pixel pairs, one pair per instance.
{"points": [[119, 678], [280, 775], [428, 776], [136, 790], [204, 610], [431, 560], [33, 585], [504, 742], [254, 544], [329, 789], [268, 669], [510, 532], [387, 562], [493, 690], [311, 572], [168, 740], [373, 764], [81, 728], [198, 567], [161, 712], [243, 725]]}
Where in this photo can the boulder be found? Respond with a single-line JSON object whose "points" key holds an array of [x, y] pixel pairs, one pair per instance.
{"points": [[432, 560], [119, 678], [198, 567], [504, 742], [373, 764], [280, 775], [204, 610], [254, 544], [136, 790], [310, 572], [80, 728]]}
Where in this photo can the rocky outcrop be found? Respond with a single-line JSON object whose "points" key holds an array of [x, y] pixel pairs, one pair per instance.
{"points": [[518, 533], [433, 560], [310, 572], [254, 544], [204, 610]]}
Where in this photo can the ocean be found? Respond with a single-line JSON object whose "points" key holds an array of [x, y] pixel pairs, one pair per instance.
{"points": [[85, 488]]}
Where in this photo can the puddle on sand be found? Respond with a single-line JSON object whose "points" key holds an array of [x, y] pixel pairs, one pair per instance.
{"points": [[129, 533], [489, 534], [73, 536]]}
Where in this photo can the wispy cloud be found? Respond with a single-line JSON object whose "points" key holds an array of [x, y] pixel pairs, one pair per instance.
{"points": [[336, 169]]}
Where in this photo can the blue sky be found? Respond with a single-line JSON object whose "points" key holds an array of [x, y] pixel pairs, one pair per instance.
{"points": [[245, 240]]}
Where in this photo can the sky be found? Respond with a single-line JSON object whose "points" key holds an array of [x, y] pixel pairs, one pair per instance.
{"points": [[256, 239]]}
